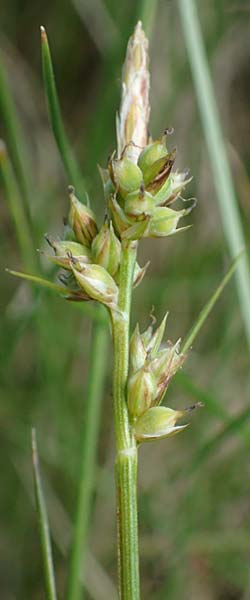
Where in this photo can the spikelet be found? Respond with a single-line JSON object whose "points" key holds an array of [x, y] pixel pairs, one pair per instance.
{"points": [[132, 121]]}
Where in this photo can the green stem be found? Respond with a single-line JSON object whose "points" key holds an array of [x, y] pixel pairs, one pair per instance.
{"points": [[126, 459], [87, 471]]}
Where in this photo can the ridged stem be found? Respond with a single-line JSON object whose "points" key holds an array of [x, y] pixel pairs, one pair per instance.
{"points": [[126, 459]]}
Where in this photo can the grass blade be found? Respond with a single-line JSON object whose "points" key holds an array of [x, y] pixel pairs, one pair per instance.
{"points": [[43, 524], [40, 281], [96, 373], [89, 443], [230, 215], [97, 316], [96, 370], [16, 208], [209, 305], [99, 585], [15, 139], [69, 161]]}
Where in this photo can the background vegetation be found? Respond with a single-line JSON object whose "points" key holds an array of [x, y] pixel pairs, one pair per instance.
{"points": [[194, 491]]}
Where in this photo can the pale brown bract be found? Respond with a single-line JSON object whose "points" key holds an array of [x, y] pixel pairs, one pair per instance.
{"points": [[133, 117]]}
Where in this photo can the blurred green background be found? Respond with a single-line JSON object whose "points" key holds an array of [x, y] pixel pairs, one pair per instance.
{"points": [[194, 491]]}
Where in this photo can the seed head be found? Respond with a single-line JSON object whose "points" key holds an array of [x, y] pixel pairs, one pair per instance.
{"points": [[147, 354]]}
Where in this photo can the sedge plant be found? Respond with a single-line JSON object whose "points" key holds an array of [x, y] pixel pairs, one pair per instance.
{"points": [[99, 263]]}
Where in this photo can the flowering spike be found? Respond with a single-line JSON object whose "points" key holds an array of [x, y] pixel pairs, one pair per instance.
{"points": [[132, 122], [81, 219]]}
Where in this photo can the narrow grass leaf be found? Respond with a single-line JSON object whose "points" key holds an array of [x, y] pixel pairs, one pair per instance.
{"points": [[16, 208], [43, 524], [87, 470], [40, 281], [15, 139], [209, 305], [223, 182], [69, 161], [99, 584], [96, 372]]}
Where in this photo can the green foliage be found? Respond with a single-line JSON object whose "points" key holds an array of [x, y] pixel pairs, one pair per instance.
{"points": [[43, 524], [202, 482]]}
